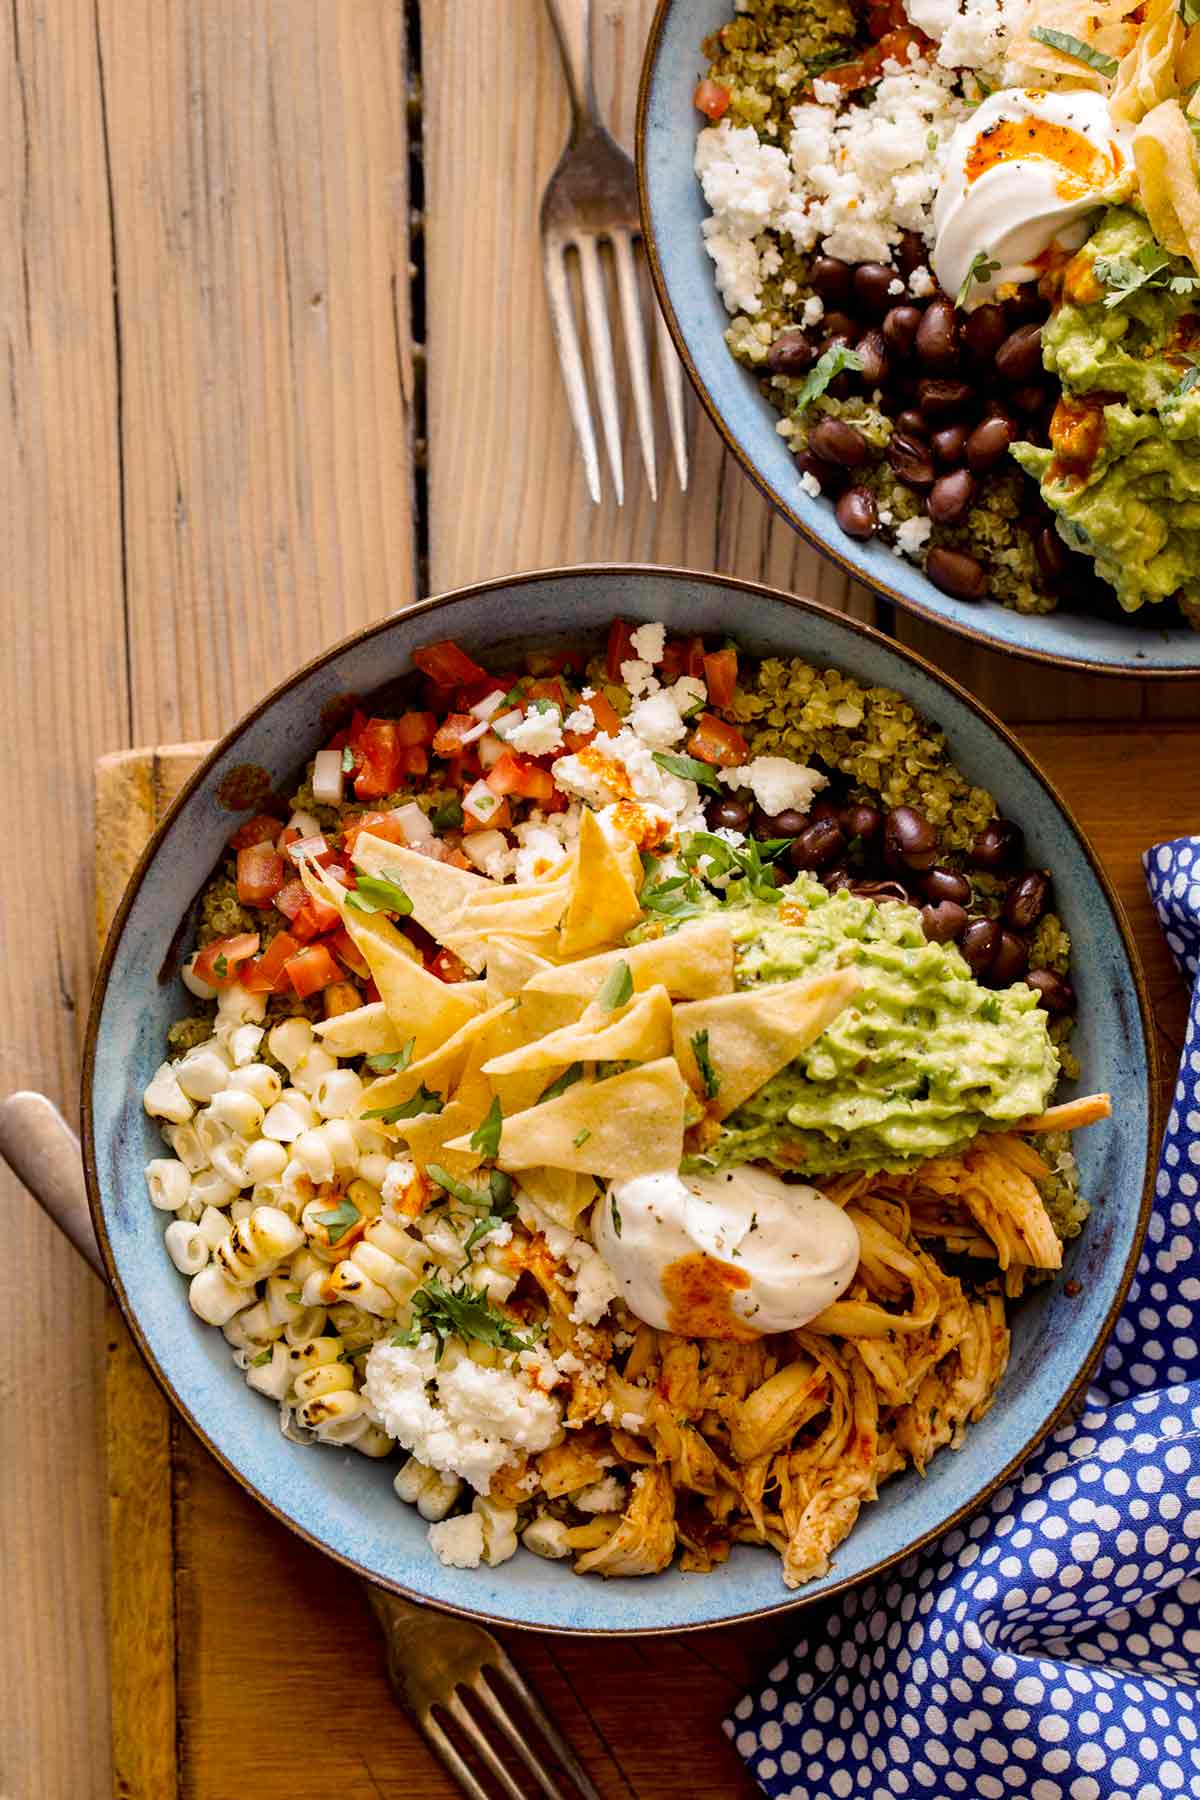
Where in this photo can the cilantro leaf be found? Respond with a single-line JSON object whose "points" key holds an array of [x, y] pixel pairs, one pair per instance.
{"points": [[828, 366], [347, 761], [500, 1188], [447, 817], [379, 893], [461, 1190], [295, 1298], [749, 862], [264, 1356], [981, 270], [423, 1101], [567, 1079], [616, 1213], [688, 768], [617, 988], [1189, 12], [1149, 267], [1076, 49], [581, 1138], [1189, 379], [708, 1075], [679, 898], [220, 965], [458, 1312], [391, 1062], [339, 1219], [486, 1136]]}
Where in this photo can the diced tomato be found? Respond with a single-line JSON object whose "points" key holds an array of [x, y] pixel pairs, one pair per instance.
{"points": [[619, 648], [574, 741], [287, 837], [520, 775], [371, 994], [607, 718], [348, 952], [265, 974], [556, 802], [447, 666], [217, 963], [258, 830], [499, 819], [414, 728], [378, 744], [259, 874], [414, 761], [884, 16], [341, 997], [863, 70], [551, 690], [380, 825], [312, 969], [720, 672], [449, 739], [309, 918], [694, 665], [713, 741], [711, 99], [449, 967]]}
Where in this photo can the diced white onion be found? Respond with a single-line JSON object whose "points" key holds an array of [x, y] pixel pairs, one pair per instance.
{"points": [[489, 706], [490, 751], [327, 778], [413, 823]]}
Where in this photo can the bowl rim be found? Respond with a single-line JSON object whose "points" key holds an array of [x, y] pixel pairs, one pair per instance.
{"points": [[827, 547], [431, 606]]}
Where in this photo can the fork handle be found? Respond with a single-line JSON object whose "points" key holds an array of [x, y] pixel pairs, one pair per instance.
{"points": [[572, 20]]}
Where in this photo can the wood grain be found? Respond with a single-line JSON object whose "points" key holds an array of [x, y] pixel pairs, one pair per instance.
{"points": [[213, 1570]]}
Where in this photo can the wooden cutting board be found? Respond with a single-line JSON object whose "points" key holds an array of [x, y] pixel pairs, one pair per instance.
{"points": [[243, 1662]]}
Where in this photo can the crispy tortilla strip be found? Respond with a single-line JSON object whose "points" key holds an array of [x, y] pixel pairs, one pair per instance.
{"points": [[426, 1137], [1149, 71], [754, 1033], [1187, 68], [603, 901], [1165, 153], [692, 964], [562, 1194], [1104, 24], [511, 964], [629, 1125], [439, 1069], [367, 1031], [639, 1032], [437, 889], [508, 1029], [1071, 1115]]}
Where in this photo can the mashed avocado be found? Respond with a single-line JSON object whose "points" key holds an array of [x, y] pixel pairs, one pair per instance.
{"points": [[923, 1061], [1123, 470]]}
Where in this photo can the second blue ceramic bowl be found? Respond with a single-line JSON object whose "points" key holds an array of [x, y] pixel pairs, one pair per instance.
{"points": [[673, 210], [344, 1503]]}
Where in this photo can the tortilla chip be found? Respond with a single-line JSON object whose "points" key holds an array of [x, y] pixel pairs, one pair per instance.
{"points": [[629, 1125], [1164, 151], [756, 1032], [692, 964], [367, 1031], [603, 903], [639, 1032], [562, 1194], [437, 890], [439, 1068], [510, 965], [1149, 71], [510, 1027], [426, 1138]]}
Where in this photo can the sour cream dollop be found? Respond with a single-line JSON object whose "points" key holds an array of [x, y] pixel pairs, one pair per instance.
{"points": [[733, 1255], [1021, 175]]}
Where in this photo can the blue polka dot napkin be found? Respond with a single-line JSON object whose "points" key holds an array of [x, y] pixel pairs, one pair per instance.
{"points": [[1052, 1647]]}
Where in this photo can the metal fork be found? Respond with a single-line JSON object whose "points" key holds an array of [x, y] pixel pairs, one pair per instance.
{"points": [[433, 1659], [591, 199]]}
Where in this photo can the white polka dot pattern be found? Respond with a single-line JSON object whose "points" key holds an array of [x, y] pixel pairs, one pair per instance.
{"points": [[1050, 1648]]}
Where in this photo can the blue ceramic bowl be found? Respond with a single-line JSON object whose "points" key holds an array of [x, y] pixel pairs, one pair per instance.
{"points": [[672, 212], [341, 1501]]}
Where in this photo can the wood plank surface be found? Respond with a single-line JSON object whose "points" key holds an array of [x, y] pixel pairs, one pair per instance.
{"points": [[202, 1567]]}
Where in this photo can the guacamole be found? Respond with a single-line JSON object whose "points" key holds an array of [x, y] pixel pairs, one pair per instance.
{"points": [[924, 1060], [1123, 470]]}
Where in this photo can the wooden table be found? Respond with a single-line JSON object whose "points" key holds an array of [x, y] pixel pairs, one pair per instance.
{"points": [[276, 362]]}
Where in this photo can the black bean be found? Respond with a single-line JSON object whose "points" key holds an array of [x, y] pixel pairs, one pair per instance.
{"points": [[956, 573], [871, 284], [900, 328], [786, 824], [1025, 901], [1030, 399], [909, 838], [837, 442], [911, 424], [983, 332], [857, 513], [1026, 305], [882, 890], [825, 808], [729, 813], [873, 359], [818, 846], [862, 820], [943, 399], [946, 884], [997, 846], [1054, 558], [1019, 357], [1055, 994], [1010, 961], [950, 496], [911, 460], [944, 922], [988, 444], [837, 879], [841, 325], [831, 478], [937, 338], [831, 279], [792, 353], [911, 252], [979, 943], [950, 444]]}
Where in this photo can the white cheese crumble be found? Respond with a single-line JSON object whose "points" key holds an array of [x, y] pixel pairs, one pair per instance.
{"points": [[582, 720], [638, 676], [649, 642], [634, 767], [605, 1495], [458, 1542], [538, 733], [912, 535], [921, 283], [777, 783], [458, 1416], [585, 1271], [656, 720], [810, 484]]}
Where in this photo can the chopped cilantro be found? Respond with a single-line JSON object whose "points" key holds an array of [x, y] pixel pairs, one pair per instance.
{"points": [[379, 893], [458, 1312], [1076, 49], [486, 1136], [461, 1190], [1148, 267], [391, 1062], [220, 965], [981, 270], [423, 1101], [708, 1074], [347, 761], [617, 988], [264, 1356], [339, 1219], [581, 1138], [295, 1298], [828, 366], [615, 1210], [688, 768], [567, 1079], [447, 817]]}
